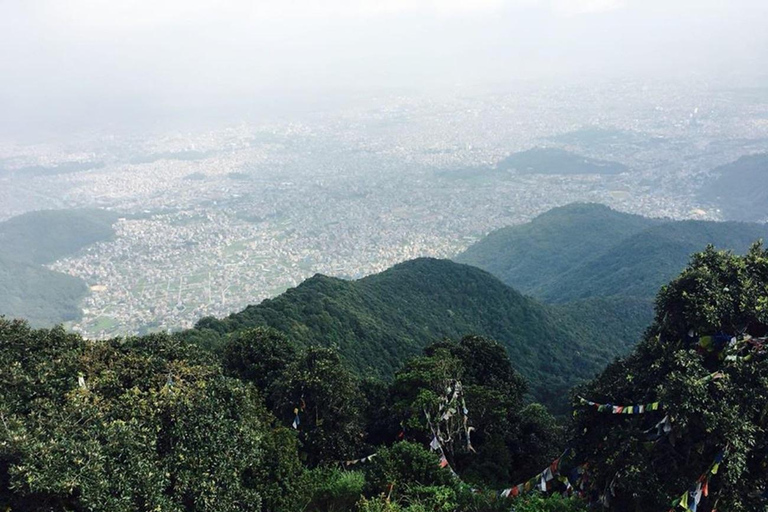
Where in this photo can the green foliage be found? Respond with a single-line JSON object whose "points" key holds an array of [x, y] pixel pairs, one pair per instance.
{"points": [[381, 320], [334, 490], [328, 401], [740, 188], [378, 504], [137, 424], [718, 291], [259, 355], [401, 466], [278, 475], [29, 290], [553, 503]]}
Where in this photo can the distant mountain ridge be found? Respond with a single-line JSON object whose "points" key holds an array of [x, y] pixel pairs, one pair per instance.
{"points": [[531, 256], [537, 161], [583, 251], [557, 161], [380, 320], [28, 289], [740, 188], [592, 261]]}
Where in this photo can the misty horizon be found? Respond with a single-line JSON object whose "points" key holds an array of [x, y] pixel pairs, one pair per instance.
{"points": [[68, 66]]}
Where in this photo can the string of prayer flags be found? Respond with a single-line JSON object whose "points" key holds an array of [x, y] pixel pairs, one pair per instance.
{"points": [[716, 342], [540, 481], [578, 479], [660, 429], [727, 346], [690, 499], [451, 418], [358, 461], [621, 409], [754, 346], [436, 446]]}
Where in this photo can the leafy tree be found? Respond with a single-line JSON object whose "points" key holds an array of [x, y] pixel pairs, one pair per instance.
{"points": [[381, 425], [509, 440], [401, 465], [334, 490], [325, 396], [136, 424], [260, 355], [715, 400]]}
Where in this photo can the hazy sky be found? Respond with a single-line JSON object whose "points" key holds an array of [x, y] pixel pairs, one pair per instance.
{"points": [[80, 56]]}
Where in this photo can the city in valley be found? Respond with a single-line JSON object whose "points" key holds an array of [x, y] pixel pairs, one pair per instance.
{"points": [[210, 221]]}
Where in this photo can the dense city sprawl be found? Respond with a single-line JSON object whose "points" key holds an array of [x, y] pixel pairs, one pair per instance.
{"points": [[211, 221]]}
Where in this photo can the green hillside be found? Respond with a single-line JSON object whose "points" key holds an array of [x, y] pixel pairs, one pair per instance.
{"points": [[41, 296], [379, 321], [47, 235], [740, 189], [641, 264], [583, 251], [557, 161], [269, 425], [28, 289], [529, 256]]}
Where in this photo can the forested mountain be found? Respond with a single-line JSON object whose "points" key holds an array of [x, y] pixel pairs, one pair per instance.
{"points": [[529, 256], [28, 289], [41, 296], [266, 424], [557, 161], [47, 235], [379, 321], [584, 252], [639, 265], [740, 188]]}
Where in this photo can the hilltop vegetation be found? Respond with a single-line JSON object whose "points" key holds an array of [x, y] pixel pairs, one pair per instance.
{"points": [[557, 161], [740, 189], [47, 235], [28, 289], [41, 296], [587, 251], [154, 423], [707, 444], [639, 265], [529, 256], [267, 424], [379, 321]]}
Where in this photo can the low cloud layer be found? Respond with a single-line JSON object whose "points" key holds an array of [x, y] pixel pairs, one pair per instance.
{"points": [[67, 55]]}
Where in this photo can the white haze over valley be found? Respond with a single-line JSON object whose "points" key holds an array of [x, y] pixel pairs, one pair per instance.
{"points": [[245, 146]]}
